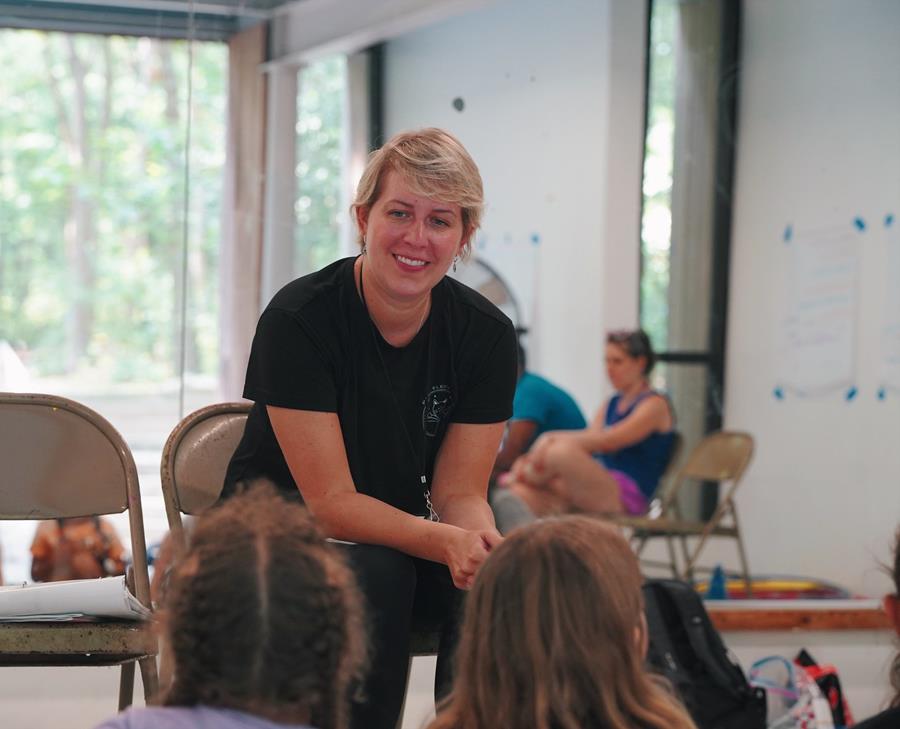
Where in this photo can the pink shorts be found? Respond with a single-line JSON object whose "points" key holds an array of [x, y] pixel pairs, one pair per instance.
{"points": [[633, 499]]}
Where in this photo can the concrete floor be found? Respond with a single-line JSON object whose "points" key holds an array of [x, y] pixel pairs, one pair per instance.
{"points": [[80, 698]]}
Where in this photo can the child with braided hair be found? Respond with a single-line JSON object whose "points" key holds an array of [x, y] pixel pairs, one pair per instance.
{"points": [[263, 624]]}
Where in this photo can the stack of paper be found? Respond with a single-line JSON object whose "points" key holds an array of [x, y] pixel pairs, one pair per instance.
{"points": [[105, 597]]}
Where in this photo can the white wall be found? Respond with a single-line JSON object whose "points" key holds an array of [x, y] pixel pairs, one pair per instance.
{"points": [[553, 115], [818, 145], [541, 83]]}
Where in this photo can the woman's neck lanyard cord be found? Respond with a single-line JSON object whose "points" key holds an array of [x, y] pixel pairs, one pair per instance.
{"points": [[423, 478]]}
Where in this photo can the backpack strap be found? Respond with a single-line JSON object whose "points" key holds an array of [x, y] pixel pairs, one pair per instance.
{"points": [[701, 634], [661, 645]]}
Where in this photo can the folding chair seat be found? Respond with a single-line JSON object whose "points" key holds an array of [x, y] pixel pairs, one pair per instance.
{"points": [[61, 459], [722, 457]]}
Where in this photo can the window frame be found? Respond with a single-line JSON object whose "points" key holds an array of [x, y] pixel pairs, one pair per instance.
{"points": [[714, 357]]}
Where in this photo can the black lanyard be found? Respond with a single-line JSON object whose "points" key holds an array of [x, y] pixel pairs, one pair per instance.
{"points": [[423, 478]]}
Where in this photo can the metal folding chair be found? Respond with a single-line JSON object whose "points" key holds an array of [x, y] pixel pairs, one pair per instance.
{"points": [[723, 457], [61, 459]]}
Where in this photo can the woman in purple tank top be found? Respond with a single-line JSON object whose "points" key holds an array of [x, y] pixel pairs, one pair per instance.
{"points": [[614, 465]]}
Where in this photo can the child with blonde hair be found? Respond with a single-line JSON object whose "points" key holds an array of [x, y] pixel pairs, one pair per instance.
{"points": [[554, 637]]}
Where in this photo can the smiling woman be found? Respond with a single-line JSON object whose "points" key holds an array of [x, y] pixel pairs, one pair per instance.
{"points": [[409, 242], [381, 388]]}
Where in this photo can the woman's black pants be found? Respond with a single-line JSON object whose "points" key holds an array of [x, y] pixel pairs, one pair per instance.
{"points": [[402, 594]]}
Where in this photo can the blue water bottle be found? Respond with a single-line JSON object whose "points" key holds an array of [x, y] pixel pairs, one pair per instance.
{"points": [[717, 589]]}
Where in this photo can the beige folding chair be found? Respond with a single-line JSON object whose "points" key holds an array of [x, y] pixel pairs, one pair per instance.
{"points": [[61, 459], [723, 457], [663, 488], [194, 461]]}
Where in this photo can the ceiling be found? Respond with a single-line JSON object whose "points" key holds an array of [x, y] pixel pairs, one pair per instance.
{"points": [[200, 19]]}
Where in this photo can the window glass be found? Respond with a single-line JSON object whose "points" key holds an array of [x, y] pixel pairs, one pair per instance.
{"points": [[110, 196], [321, 215], [656, 217], [688, 150]]}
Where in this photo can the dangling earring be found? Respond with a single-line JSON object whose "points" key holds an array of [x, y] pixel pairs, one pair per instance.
{"points": [[364, 246], [455, 259]]}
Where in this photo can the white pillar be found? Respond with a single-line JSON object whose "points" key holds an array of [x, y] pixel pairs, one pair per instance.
{"points": [[281, 180], [356, 143]]}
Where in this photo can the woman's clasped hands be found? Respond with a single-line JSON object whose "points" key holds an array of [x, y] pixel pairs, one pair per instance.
{"points": [[465, 552]]}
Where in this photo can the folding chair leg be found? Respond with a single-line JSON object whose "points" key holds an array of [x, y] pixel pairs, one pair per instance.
{"points": [[742, 553], [149, 678], [640, 546], [672, 562], [405, 693], [688, 561], [126, 685]]}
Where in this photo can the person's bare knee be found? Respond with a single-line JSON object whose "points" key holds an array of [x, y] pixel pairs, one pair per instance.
{"points": [[597, 494], [524, 491], [583, 484], [562, 454], [539, 501]]}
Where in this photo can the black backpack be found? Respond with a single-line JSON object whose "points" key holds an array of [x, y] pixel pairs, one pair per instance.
{"points": [[687, 650]]}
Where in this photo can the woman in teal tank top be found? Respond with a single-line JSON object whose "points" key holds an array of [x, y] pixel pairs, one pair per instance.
{"points": [[614, 465]]}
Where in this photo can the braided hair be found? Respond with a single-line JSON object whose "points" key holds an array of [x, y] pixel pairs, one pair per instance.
{"points": [[263, 615]]}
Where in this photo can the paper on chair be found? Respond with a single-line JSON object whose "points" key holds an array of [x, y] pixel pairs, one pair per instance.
{"points": [[104, 597]]}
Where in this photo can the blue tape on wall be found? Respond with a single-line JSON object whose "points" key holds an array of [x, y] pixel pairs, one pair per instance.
{"points": [[882, 391], [851, 394], [778, 393], [860, 224]]}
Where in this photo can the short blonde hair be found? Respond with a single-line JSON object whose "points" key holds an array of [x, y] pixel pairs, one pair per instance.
{"points": [[434, 164]]}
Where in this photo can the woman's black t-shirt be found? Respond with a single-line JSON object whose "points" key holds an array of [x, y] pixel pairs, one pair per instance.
{"points": [[315, 348]]}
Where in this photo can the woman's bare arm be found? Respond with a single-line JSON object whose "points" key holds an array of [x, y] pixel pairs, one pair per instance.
{"points": [[461, 473], [651, 415], [313, 447], [519, 434]]}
